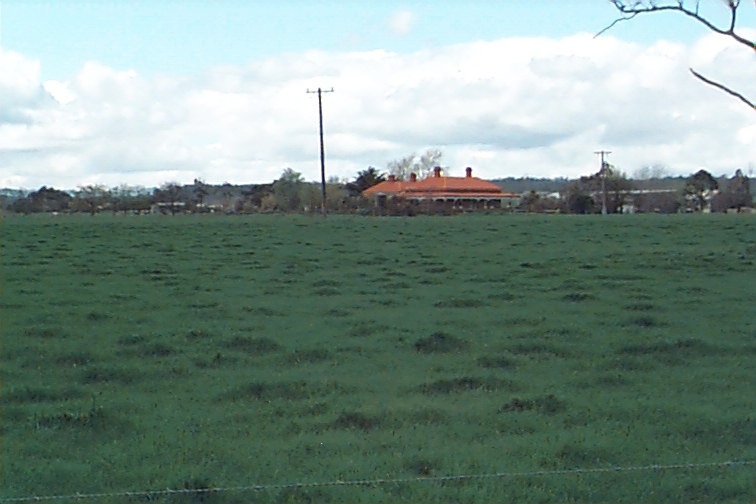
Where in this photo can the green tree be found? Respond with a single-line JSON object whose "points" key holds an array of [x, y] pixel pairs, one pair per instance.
{"points": [[120, 198], [365, 179], [739, 191], [287, 191], [200, 191], [337, 196], [169, 194], [617, 187], [45, 199], [530, 202], [587, 194], [577, 198], [126, 198], [737, 194], [632, 8], [698, 187], [91, 198]]}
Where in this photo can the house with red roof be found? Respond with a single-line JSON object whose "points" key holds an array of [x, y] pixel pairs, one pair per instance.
{"points": [[466, 192]]}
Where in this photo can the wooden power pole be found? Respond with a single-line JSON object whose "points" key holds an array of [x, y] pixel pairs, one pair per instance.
{"points": [[322, 148], [602, 175]]}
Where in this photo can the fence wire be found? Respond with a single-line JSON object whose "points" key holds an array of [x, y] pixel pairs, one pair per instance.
{"points": [[373, 482]]}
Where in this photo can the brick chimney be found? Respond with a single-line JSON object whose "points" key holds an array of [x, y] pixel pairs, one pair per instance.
{"points": [[468, 172], [392, 178], [437, 171], [413, 177]]}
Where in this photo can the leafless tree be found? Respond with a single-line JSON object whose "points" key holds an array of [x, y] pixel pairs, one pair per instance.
{"points": [[421, 166], [632, 8]]}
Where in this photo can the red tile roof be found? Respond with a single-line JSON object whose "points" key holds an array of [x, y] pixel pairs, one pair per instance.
{"points": [[438, 186]]}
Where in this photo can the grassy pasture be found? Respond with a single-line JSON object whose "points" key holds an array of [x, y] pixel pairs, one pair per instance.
{"points": [[147, 353]]}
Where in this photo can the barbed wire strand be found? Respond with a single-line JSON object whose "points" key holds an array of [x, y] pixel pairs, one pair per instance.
{"points": [[375, 481]]}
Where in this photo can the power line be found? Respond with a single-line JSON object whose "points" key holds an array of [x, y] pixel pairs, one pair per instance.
{"points": [[322, 148], [379, 481]]}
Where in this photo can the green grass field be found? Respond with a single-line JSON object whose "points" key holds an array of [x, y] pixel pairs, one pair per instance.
{"points": [[153, 353]]}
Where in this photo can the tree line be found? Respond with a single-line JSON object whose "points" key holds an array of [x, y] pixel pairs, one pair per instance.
{"points": [[608, 190]]}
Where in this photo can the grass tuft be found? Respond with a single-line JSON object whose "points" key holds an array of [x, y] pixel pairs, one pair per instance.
{"points": [[269, 391], [102, 374], [496, 361], [576, 297], [355, 420], [547, 405], [440, 342], [682, 347], [39, 395], [45, 332], [254, 346], [420, 466], [465, 384], [459, 303], [308, 356]]}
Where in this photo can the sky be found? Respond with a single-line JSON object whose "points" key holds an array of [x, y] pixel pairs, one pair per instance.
{"points": [[144, 92]]}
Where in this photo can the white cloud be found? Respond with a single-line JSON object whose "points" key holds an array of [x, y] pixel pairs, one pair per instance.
{"points": [[401, 22], [20, 91], [507, 107]]}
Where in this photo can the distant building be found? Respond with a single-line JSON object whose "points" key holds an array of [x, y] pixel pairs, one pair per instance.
{"points": [[466, 192]]}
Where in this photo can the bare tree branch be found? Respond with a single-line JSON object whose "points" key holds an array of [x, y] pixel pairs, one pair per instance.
{"points": [[618, 20], [723, 88], [645, 7], [632, 8]]}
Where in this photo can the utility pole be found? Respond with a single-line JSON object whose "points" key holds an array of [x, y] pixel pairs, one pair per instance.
{"points": [[602, 174], [322, 148]]}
